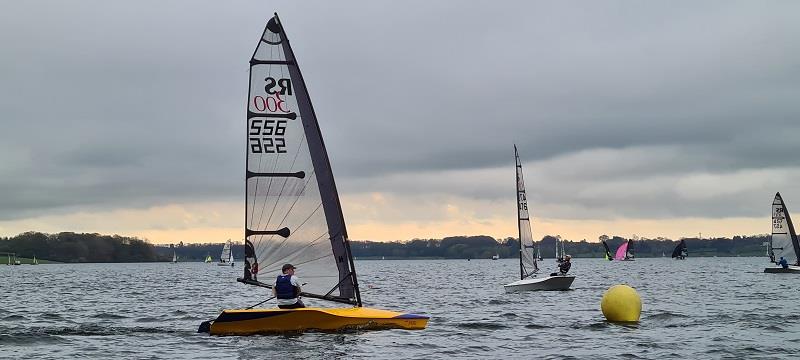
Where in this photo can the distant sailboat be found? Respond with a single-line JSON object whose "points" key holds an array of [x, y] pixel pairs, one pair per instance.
{"points": [[226, 258], [174, 257], [625, 252], [783, 242], [35, 262], [208, 258], [680, 251], [495, 256], [528, 266], [608, 255], [292, 208], [560, 254]]}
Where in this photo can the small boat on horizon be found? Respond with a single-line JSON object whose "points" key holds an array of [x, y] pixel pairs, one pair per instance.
{"points": [[680, 252], [625, 252], [226, 258], [607, 255]]}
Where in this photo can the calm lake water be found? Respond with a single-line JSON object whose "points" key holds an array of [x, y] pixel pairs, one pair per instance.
{"points": [[698, 308]]}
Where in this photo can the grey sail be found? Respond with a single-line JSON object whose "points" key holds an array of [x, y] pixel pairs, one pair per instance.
{"points": [[783, 242], [292, 212], [527, 256]]}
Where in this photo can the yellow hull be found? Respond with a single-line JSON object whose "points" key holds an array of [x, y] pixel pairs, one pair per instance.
{"points": [[259, 321]]}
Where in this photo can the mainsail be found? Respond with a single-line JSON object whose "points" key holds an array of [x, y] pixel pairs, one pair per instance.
{"points": [[292, 212], [622, 251], [680, 251], [226, 253], [527, 258], [784, 242], [608, 255]]}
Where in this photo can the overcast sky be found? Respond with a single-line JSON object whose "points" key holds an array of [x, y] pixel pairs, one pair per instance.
{"points": [[651, 118]]}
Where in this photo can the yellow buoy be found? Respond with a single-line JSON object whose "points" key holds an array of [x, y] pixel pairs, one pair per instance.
{"points": [[621, 303]]}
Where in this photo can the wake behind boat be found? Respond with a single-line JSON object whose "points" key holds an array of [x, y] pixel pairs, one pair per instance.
{"points": [[783, 243], [292, 209], [528, 266]]}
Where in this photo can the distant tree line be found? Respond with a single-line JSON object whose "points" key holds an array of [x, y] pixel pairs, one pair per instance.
{"points": [[484, 247], [72, 247]]}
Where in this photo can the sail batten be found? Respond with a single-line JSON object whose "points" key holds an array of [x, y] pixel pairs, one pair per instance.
{"points": [[293, 214]]}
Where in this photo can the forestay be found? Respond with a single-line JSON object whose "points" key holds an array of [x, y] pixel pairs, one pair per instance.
{"points": [[784, 242], [292, 212], [527, 258]]}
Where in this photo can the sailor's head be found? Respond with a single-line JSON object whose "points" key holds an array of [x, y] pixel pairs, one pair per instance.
{"points": [[781, 257], [568, 257], [287, 268]]}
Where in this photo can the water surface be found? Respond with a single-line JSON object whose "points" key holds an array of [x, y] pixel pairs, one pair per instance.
{"points": [[697, 308]]}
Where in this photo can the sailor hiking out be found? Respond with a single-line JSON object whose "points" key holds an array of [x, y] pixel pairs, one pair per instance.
{"points": [[287, 289]]}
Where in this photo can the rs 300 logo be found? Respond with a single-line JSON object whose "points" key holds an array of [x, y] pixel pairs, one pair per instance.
{"points": [[275, 99]]}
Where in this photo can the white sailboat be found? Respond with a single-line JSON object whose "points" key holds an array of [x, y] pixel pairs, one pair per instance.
{"points": [[208, 258], [783, 242], [226, 258], [528, 266], [292, 209], [174, 257]]}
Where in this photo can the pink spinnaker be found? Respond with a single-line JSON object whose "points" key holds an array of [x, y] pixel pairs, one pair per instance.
{"points": [[621, 250]]}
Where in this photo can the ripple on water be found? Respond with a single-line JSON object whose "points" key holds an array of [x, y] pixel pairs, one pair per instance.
{"points": [[481, 326], [14, 318], [108, 316]]}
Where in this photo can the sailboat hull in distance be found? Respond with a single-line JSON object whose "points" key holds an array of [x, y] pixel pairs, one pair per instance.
{"points": [[549, 283], [265, 321], [780, 270]]}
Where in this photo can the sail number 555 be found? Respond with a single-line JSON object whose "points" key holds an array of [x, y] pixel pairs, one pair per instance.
{"points": [[266, 136]]}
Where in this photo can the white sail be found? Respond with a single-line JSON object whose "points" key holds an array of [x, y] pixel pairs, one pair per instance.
{"points": [[527, 247], [784, 242], [226, 253], [293, 214]]}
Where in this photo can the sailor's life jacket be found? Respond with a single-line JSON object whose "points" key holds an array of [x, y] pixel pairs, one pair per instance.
{"points": [[284, 288], [564, 267]]}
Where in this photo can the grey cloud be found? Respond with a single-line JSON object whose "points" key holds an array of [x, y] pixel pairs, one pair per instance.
{"points": [[116, 105]]}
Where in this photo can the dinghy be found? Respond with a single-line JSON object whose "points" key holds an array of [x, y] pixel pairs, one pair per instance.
{"points": [[208, 258], [625, 252], [528, 267], [226, 258], [292, 209], [608, 255], [174, 257], [783, 242], [560, 253], [680, 252]]}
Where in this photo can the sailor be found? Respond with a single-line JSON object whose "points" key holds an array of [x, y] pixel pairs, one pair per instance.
{"points": [[563, 268], [287, 288], [783, 263]]}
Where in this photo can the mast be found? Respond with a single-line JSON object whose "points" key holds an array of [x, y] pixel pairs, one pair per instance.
{"points": [[519, 219]]}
